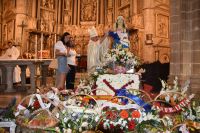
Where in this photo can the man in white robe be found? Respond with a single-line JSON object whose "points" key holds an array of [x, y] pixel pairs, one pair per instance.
{"points": [[96, 50], [12, 53]]}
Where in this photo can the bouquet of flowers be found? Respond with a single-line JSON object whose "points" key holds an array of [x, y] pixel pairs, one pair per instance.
{"points": [[78, 121], [128, 120], [79, 115], [121, 57]]}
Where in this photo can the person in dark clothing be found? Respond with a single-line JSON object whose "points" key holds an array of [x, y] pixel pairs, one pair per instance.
{"points": [[71, 60], [154, 72]]}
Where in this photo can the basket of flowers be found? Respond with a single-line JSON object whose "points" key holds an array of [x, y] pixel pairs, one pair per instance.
{"points": [[78, 115], [37, 112]]}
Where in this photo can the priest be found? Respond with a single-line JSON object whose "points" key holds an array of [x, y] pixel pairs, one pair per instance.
{"points": [[97, 47], [12, 53]]}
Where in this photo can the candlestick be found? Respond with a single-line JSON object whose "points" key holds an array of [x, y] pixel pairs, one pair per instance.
{"points": [[35, 46], [41, 46], [54, 55]]}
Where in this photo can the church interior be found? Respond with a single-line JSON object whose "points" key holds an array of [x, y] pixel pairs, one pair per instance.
{"points": [[163, 34]]}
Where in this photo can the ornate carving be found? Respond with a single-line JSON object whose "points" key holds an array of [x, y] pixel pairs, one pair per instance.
{"points": [[110, 3], [9, 15], [29, 7], [67, 4], [10, 30], [125, 13], [110, 17], [51, 22], [67, 18], [8, 4], [48, 4], [88, 10], [138, 21], [162, 25], [47, 20]]}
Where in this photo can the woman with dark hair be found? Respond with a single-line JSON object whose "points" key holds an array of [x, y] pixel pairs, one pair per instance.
{"points": [[71, 61], [61, 53]]}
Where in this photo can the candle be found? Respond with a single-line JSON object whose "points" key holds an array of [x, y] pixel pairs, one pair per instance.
{"points": [[41, 46], [27, 46], [55, 38], [54, 55], [35, 46]]}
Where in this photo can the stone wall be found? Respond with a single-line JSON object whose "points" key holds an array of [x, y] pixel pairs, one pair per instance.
{"points": [[185, 42]]}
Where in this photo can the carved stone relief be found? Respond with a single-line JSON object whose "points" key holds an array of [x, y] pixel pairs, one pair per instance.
{"points": [[125, 13], [138, 21], [67, 4], [123, 2], [48, 4], [47, 21], [29, 7], [110, 16], [162, 25], [88, 10], [10, 29], [8, 4], [110, 3], [67, 18]]}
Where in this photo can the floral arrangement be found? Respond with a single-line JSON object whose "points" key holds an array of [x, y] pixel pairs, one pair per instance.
{"points": [[121, 57], [127, 120], [117, 81], [77, 121], [36, 111], [84, 87], [78, 115]]}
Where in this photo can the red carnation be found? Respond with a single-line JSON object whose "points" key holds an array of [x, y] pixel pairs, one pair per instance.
{"points": [[131, 125], [135, 114], [111, 115], [111, 126], [124, 114], [36, 105]]}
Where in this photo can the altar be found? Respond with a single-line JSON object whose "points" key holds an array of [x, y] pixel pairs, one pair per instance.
{"points": [[7, 67]]}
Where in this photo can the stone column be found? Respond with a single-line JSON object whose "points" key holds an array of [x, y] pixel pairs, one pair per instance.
{"points": [[32, 77], [1, 33], [149, 23], [23, 74], [195, 40], [184, 41], [9, 78]]}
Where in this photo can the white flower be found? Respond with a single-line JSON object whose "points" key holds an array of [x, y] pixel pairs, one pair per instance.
{"points": [[84, 124], [105, 125], [63, 111], [85, 116], [95, 73], [69, 125], [74, 114], [124, 123], [57, 115], [65, 119], [69, 130], [57, 129], [80, 129], [97, 118]]}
